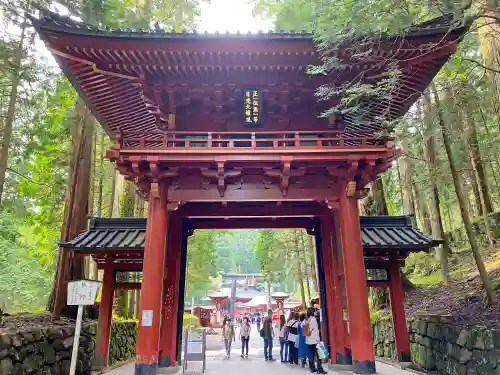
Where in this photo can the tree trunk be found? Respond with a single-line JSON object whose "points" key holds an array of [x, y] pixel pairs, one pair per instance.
{"points": [[375, 204], [101, 175], [490, 293], [489, 38], [406, 185], [307, 276], [69, 266], [470, 140], [437, 228], [493, 155], [314, 274], [127, 207], [111, 201], [422, 209], [298, 264], [11, 109]]}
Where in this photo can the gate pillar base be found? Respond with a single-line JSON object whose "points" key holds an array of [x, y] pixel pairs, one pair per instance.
{"points": [[363, 367], [338, 367], [146, 369]]}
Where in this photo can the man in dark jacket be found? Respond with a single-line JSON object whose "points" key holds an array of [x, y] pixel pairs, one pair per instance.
{"points": [[267, 334]]}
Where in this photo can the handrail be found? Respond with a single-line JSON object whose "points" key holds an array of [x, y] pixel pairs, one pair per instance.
{"points": [[263, 139]]}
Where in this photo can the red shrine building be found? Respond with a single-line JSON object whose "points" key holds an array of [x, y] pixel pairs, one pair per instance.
{"points": [[224, 131]]}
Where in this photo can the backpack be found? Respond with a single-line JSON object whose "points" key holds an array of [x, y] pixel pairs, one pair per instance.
{"points": [[306, 331]]}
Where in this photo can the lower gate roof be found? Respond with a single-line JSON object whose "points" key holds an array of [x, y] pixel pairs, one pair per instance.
{"points": [[382, 236]]}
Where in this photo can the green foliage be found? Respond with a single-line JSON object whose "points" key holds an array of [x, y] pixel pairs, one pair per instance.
{"points": [[284, 255], [34, 194], [187, 317], [201, 262], [26, 278], [235, 249], [270, 253]]}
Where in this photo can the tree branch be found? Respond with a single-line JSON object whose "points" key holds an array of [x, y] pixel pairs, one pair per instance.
{"points": [[481, 65]]}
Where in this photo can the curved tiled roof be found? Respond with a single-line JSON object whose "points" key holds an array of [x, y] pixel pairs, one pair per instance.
{"points": [[377, 233], [108, 67]]}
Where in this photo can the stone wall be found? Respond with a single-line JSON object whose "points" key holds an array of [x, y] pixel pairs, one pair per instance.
{"points": [[444, 348], [47, 351]]}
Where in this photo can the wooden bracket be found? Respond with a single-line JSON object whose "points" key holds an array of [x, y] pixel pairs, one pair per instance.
{"points": [[220, 175], [221, 179], [285, 178], [284, 174]]}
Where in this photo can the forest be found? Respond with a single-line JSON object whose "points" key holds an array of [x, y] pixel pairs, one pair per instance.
{"points": [[54, 176]]}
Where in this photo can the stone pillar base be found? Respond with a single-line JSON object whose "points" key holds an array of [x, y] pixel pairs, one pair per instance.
{"points": [[169, 370], [337, 367]]}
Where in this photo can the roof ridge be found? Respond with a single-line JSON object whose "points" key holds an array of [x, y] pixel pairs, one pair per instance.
{"points": [[50, 16], [446, 21]]}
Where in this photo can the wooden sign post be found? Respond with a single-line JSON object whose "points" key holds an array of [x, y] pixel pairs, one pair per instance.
{"points": [[80, 293]]}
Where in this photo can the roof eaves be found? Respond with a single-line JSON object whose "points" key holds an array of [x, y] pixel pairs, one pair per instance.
{"points": [[53, 22]]}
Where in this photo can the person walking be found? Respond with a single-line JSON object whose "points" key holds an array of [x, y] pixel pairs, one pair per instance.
{"points": [[228, 336], [245, 330], [267, 333], [283, 339], [293, 325], [310, 330]]}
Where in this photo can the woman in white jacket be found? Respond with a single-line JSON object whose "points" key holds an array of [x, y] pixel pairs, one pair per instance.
{"points": [[293, 326], [311, 327]]}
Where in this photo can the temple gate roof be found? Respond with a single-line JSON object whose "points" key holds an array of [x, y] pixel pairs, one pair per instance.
{"points": [[119, 72]]}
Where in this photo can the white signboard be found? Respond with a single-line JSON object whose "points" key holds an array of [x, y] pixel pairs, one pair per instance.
{"points": [[195, 347], [82, 292], [147, 318]]}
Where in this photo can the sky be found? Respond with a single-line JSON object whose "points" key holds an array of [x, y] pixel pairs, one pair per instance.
{"points": [[232, 16]]}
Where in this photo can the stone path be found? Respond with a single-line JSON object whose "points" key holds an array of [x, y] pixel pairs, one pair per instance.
{"points": [[254, 365]]}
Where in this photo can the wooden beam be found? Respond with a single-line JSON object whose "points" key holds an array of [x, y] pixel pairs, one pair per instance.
{"points": [[280, 223], [238, 195], [242, 210], [377, 283]]}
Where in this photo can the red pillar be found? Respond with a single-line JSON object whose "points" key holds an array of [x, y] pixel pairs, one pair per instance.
{"points": [[335, 319], [168, 332], [148, 336], [398, 312], [105, 315], [363, 359]]}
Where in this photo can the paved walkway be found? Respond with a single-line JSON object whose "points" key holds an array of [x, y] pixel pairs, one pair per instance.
{"points": [[255, 364]]}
